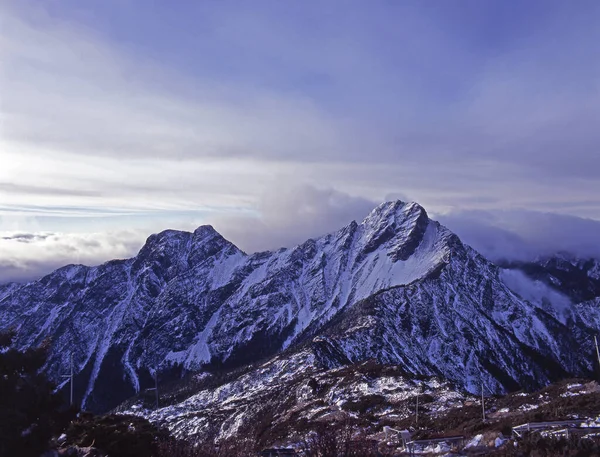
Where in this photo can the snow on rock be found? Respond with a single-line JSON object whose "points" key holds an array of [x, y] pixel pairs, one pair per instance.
{"points": [[397, 287], [499, 441], [474, 442], [295, 387]]}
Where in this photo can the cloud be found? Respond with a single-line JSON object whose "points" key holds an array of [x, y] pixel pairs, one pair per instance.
{"points": [[29, 256], [525, 235], [26, 237], [171, 114], [122, 114], [536, 292], [87, 124], [45, 190], [67, 90], [286, 216]]}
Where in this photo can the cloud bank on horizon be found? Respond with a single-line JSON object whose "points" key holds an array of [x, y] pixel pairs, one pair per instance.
{"points": [[291, 217], [278, 122]]}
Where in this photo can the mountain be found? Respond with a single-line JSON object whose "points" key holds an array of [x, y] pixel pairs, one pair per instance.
{"points": [[289, 394], [398, 287], [279, 402], [576, 278]]}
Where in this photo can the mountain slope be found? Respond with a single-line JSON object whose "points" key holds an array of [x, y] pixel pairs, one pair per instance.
{"points": [[289, 393], [397, 287]]}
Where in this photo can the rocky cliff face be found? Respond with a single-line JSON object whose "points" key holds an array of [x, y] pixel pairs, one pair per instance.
{"points": [[398, 287]]}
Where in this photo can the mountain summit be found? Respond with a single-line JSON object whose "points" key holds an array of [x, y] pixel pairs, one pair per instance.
{"points": [[397, 287]]}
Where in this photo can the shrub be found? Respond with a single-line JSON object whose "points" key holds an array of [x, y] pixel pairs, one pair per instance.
{"points": [[30, 412], [117, 435]]}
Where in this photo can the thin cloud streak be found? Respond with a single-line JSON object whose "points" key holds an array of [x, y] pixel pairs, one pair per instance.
{"points": [[29, 256], [127, 115], [286, 218], [525, 235], [289, 216], [75, 98]]}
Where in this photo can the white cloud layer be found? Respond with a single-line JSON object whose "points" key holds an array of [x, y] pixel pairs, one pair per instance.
{"points": [[171, 118], [525, 235], [91, 122], [29, 256], [287, 216]]}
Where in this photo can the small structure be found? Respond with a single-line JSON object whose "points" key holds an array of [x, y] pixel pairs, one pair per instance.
{"points": [[454, 443], [521, 430], [278, 452], [405, 435], [569, 432]]}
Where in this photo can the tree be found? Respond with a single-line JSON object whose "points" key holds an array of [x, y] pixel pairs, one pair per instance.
{"points": [[30, 411]]}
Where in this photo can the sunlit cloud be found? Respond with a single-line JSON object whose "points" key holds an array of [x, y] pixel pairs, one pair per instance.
{"points": [[525, 235], [287, 216], [28, 256], [119, 115]]}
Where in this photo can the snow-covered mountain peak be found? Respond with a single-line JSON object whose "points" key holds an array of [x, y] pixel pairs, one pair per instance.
{"points": [[182, 249], [207, 242], [392, 212], [395, 227], [167, 241], [397, 287], [163, 252], [205, 231]]}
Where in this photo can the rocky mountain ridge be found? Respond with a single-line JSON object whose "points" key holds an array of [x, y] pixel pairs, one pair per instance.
{"points": [[397, 287]]}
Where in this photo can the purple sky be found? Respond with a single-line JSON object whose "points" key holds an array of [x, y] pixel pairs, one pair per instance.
{"points": [[276, 121]]}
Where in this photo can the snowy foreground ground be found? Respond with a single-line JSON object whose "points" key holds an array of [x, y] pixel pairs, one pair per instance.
{"points": [[283, 401]]}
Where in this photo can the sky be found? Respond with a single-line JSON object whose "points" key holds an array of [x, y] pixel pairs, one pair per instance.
{"points": [[278, 121]]}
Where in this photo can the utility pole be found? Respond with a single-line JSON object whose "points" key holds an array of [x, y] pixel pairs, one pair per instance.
{"points": [[71, 399], [417, 412], [70, 376], [155, 389], [156, 385], [482, 401], [597, 351]]}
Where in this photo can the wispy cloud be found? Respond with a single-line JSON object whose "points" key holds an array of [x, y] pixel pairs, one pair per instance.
{"points": [[525, 235], [29, 256], [443, 117], [290, 215], [285, 217], [156, 116]]}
